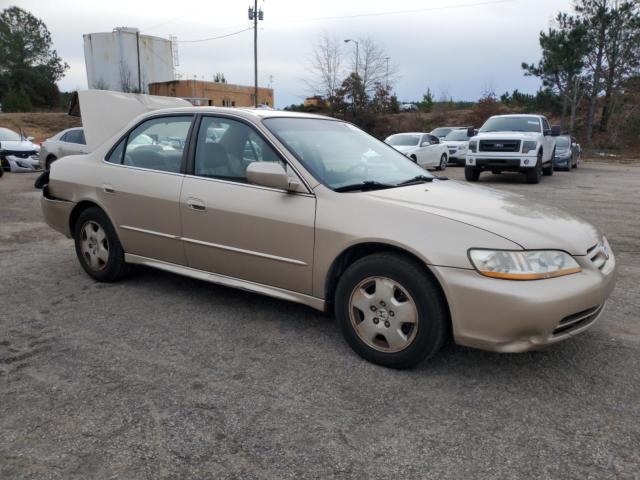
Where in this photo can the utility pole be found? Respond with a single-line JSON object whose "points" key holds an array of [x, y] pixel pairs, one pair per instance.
{"points": [[255, 15]]}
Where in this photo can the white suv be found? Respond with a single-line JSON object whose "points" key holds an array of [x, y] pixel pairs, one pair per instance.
{"points": [[512, 143]]}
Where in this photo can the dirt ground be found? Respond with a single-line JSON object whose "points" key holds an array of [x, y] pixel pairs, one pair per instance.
{"points": [[160, 376], [38, 125]]}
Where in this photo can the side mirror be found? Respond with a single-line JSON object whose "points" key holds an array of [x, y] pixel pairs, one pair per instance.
{"points": [[471, 132], [425, 144], [268, 174], [29, 139], [555, 131]]}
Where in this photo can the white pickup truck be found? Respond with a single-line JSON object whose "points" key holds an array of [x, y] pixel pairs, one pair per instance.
{"points": [[512, 143]]}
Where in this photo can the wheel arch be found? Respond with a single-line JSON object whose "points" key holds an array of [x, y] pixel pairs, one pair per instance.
{"points": [[83, 205], [361, 250]]}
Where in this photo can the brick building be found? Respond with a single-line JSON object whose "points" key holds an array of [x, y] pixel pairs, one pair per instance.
{"points": [[201, 93]]}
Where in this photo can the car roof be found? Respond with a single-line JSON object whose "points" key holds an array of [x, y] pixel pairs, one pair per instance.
{"points": [[252, 113], [528, 115]]}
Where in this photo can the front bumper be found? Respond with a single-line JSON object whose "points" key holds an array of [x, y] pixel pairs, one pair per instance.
{"points": [[56, 212], [511, 164], [562, 162], [517, 316]]}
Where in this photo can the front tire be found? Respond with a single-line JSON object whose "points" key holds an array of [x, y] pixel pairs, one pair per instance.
{"points": [[533, 174], [97, 246], [391, 311], [471, 174]]}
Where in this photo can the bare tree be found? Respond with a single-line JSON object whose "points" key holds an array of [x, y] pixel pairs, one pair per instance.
{"points": [[325, 70], [373, 66]]}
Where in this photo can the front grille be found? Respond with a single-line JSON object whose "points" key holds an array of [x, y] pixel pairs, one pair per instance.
{"points": [[577, 320], [19, 154], [598, 255], [499, 145]]}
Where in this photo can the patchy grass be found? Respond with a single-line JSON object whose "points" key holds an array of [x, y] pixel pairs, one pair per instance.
{"points": [[38, 125]]}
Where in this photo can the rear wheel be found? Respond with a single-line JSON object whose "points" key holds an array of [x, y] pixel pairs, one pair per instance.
{"points": [[548, 170], [98, 247], [471, 174], [443, 162], [391, 311]]}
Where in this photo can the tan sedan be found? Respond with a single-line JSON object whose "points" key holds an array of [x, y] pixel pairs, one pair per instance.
{"points": [[313, 210]]}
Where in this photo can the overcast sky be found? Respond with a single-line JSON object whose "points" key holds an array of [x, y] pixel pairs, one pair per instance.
{"points": [[455, 47]]}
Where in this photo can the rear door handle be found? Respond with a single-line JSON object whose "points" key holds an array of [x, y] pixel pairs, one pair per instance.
{"points": [[196, 204]]}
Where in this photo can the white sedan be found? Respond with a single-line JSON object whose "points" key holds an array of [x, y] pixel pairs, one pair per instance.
{"points": [[457, 142], [423, 148], [67, 142], [17, 152]]}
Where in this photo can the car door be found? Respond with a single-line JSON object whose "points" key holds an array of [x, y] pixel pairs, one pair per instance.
{"points": [[549, 141], [434, 150], [232, 228], [140, 187]]}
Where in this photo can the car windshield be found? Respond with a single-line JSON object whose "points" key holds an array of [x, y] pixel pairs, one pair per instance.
{"points": [[7, 135], [511, 124], [563, 142], [441, 132], [457, 136], [403, 140], [339, 154]]}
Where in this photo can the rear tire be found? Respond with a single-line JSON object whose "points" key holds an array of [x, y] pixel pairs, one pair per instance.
{"points": [[391, 311], [443, 162], [471, 174], [548, 170], [97, 246]]}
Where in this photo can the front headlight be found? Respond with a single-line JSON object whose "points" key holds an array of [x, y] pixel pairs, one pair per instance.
{"points": [[529, 146], [473, 145], [523, 265]]}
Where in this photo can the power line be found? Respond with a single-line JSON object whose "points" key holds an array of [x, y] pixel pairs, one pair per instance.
{"points": [[395, 12], [216, 38]]}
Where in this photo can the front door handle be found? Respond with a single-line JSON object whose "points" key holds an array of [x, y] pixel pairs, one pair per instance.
{"points": [[196, 204], [108, 188]]}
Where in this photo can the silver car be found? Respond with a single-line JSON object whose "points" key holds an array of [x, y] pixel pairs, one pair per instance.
{"points": [[67, 142]]}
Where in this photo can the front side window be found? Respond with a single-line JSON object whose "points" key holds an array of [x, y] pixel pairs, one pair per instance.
{"points": [[338, 154], [226, 147], [158, 144]]}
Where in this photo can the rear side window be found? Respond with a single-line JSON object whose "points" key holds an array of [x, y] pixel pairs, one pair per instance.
{"points": [[74, 136], [157, 144], [116, 154]]}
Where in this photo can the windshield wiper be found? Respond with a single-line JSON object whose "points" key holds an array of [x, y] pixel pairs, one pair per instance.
{"points": [[415, 180], [363, 186]]}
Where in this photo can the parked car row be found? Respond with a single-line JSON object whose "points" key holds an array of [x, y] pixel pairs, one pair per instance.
{"points": [[505, 143]]}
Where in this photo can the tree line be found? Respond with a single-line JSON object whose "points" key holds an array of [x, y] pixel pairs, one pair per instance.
{"points": [[591, 61], [29, 66]]}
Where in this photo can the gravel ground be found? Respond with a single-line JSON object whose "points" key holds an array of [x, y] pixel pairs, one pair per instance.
{"points": [[161, 376]]}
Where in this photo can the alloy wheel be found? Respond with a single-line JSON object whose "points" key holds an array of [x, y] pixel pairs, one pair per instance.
{"points": [[383, 314], [94, 245]]}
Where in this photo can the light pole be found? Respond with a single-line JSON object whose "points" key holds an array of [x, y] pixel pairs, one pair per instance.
{"points": [[355, 91], [357, 47], [255, 15]]}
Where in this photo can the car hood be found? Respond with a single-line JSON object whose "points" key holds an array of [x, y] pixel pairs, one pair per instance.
{"points": [[507, 135], [19, 146], [530, 224], [104, 113]]}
